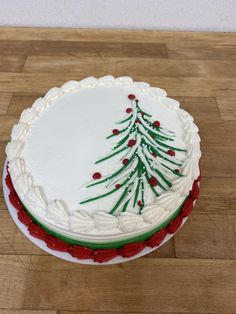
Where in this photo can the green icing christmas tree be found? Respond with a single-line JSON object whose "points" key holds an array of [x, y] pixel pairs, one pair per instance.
{"points": [[147, 159]]}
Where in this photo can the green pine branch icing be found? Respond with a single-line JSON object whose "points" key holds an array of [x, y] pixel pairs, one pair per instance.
{"points": [[147, 160]]}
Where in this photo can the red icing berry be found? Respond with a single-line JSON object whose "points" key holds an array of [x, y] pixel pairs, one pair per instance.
{"points": [[171, 152], [187, 208], [97, 175], [131, 143], [24, 217], [80, 252], [157, 238], [194, 194], [174, 224], [15, 201], [154, 155], [56, 244], [156, 124], [125, 161], [9, 182], [104, 255], [8, 168], [118, 186], [36, 231], [177, 170], [139, 203], [131, 249], [137, 121], [115, 131], [153, 181], [131, 96], [198, 179], [129, 110]]}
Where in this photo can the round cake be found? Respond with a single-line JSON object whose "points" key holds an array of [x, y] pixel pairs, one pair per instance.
{"points": [[104, 165]]}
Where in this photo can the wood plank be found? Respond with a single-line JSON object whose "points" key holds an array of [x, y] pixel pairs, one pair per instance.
{"points": [[201, 51], [39, 83], [207, 236], [6, 124], [20, 102], [12, 240], [218, 161], [227, 108], [218, 196], [200, 107], [83, 49], [11, 63], [48, 278], [152, 66], [3, 311], [5, 99], [133, 36], [215, 132], [3, 205]]}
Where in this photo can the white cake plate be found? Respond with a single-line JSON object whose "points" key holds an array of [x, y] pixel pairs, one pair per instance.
{"points": [[63, 255]]}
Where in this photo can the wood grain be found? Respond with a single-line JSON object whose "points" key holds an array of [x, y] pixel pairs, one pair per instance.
{"points": [[154, 67], [27, 312], [129, 36], [5, 99], [201, 51], [227, 108], [207, 236], [195, 272], [169, 285], [21, 101], [12, 240], [83, 49], [11, 63], [39, 83]]}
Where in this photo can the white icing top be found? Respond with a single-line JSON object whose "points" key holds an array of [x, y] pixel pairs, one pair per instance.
{"points": [[54, 147]]}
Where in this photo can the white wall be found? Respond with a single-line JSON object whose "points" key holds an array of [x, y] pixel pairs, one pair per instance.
{"points": [[202, 15]]}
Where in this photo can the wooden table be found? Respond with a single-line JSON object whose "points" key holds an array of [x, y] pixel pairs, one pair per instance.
{"points": [[194, 272]]}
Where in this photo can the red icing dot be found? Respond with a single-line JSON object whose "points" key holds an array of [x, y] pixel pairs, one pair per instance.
{"points": [[131, 143], [156, 124], [153, 181], [177, 170], [129, 110], [115, 131], [118, 186], [131, 96], [125, 161], [136, 101], [97, 175], [154, 155], [140, 203], [137, 121], [171, 152]]}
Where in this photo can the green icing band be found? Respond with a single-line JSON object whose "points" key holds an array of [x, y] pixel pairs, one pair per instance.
{"points": [[110, 245]]}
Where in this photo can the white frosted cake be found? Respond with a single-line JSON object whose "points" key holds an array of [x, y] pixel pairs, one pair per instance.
{"points": [[104, 164]]}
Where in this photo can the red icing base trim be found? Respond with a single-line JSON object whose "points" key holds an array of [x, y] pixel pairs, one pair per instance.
{"points": [[100, 255]]}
